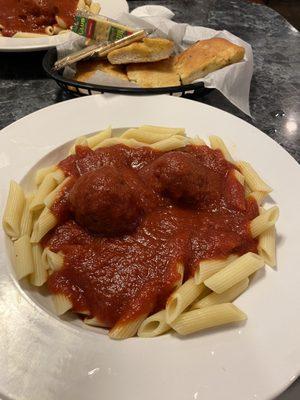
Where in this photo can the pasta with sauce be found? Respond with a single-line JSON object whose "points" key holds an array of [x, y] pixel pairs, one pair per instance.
{"points": [[137, 233], [43, 18]]}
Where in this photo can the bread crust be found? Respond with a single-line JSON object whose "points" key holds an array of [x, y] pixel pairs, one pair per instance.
{"points": [[148, 50], [87, 68], [153, 75], [207, 56]]}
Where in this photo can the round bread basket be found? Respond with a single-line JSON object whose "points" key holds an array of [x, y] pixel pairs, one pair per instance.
{"points": [[76, 88]]}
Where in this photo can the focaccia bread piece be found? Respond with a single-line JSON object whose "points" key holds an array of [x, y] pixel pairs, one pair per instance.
{"points": [[152, 75], [148, 50], [87, 68], [207, 56]]}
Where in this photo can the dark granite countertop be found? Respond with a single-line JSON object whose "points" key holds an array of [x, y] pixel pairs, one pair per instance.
{"points": [[274, 96]]}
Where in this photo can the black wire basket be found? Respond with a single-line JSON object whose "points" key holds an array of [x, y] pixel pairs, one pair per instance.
{"points": [[76, 88]]}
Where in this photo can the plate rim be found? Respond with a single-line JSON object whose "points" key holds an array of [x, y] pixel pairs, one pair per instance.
{"points": [[6, 131], [208, 106]]}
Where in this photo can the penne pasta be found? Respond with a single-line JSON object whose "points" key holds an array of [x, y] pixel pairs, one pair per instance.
{"points": [[95, 322], [239, 177], [42, 172], [13, 210], [114, 140], [139, 135], [207, 268], [48, 184], [60, 22], [57, 29], [180, 269], [54, 261], [253, 180], [52, 196], [217, 143], [171, 143], [11, 252], [39, 274], [182, 298], [257, 196], [49, 30], [81, 141], [247, 190], [24, 264], [61, 303], [226, 297], [208, 317], [27, 218], [154, 325], [99, 137], [264, 221], [82, 5], [148, 136], [235, 272], [84, 312], [58, 175], [197, 141], [162, 130], [45, 222], [267, 246], [206, 291], [95, 8], [125, 330]]}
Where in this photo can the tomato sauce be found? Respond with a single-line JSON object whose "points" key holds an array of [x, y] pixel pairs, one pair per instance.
{"points": [[187, 207], [34, 15]]}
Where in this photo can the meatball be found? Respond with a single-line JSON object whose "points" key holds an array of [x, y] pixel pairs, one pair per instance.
{"points": [[103, 202], [181, 177]]}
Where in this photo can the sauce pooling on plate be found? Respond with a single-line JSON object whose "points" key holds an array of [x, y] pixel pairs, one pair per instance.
{"points": [[128, 216], [34, 15]]}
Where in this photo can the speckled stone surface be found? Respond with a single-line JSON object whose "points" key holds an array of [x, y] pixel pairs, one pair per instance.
{"points": [[275, 88]]}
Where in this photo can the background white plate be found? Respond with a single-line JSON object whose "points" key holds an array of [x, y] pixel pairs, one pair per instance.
{"points": [[109, 8], [43, 357]]}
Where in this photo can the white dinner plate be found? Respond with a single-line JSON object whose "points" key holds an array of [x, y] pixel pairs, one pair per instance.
{"points": [[44, 357], [109, 8]]}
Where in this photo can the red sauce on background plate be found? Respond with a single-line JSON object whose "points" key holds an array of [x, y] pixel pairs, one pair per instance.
{"points": [[129, 216], [34, 15]]}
